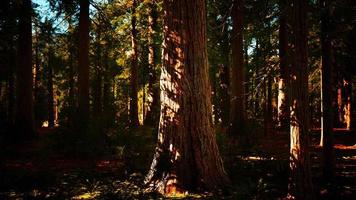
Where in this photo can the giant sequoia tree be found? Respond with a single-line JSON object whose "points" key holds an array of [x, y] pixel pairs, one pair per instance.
{"points": [[300, 185], [186, 156]]}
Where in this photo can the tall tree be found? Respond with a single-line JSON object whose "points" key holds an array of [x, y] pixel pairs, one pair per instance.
{"points": [[300, 182], [153, 87], [134, 68], [237, 114], [187, 155], [83, 65], [326, 140], [283, 108], [24, 121], [50, 88]]}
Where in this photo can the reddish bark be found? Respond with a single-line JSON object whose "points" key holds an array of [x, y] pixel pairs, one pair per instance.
{"points": [[187, 155]]}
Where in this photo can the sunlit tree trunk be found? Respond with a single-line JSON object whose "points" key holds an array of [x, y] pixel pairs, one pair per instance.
{"points": [[237, 114], [187, 155], [153, 82], [283, 107], [134, 69], [326, 140], [348, 100], [24, 80], [300, 183], [83, 65]]}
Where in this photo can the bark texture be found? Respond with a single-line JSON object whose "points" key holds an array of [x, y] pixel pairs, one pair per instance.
{"points": [[300, 182], [186, 156]]}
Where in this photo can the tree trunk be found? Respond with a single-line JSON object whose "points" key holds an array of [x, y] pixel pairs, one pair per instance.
{"points": [[348, 100], [50, 89], [326, 140], [134, 70], [268, 105], [187, 155], [71, 101], [237, 114], [97, 103], [83, 66], [24, 80], [224, 80], [283, 107], [11, 93], [300, 182]]}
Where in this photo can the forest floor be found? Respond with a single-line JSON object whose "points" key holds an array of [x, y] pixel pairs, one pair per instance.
{"points": [[57, 166]]}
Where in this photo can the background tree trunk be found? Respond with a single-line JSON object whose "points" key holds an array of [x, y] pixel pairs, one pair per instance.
{"points": [[326, 140], [153, 83], [237, 114], [283, 107], [187, 156], [134, 70], [300, 182], [50, 88], [83, 65], [24, 79]]}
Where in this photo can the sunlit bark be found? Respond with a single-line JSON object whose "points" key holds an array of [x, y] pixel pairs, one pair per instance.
{"points": [[300, 183], [186, 156]]}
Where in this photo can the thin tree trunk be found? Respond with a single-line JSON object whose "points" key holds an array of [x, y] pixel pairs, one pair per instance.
{"points": [[134, 70], [300, 183], [11, 95], [268, 105], [50, 89], [283, 107], [83, 66], [98, 82], [246, 78], [237, 114], [326, 93], [348, 100], [225, 81], [24, 80], [187, 155], [71, 100]]}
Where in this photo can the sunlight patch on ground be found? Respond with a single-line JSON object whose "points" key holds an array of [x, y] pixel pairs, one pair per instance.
{"points": [[253, 158], [88, 195]]}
